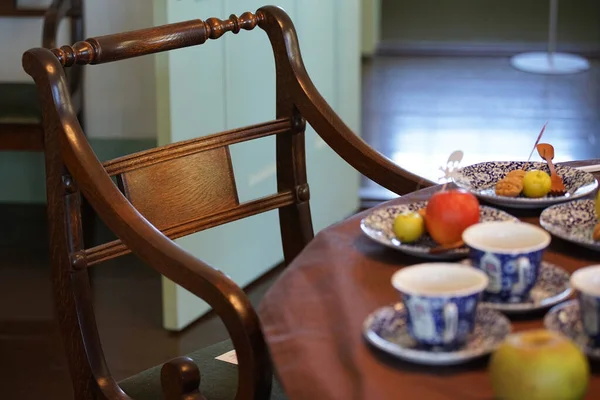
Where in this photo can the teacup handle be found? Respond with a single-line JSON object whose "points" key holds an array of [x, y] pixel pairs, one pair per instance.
{"points": [[524, 270], [450, 322]]}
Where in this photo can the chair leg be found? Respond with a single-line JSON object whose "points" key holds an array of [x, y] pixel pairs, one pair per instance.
{"points": [[88, 220]]}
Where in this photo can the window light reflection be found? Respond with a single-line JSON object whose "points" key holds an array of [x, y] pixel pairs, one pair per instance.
{"points": [[424, 152]]}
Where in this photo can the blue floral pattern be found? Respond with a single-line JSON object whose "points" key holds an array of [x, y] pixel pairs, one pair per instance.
{"points": [[480, 179], [503, 270], [551, 288], [378, 225], [566, 319], [589, 307], [387, 329], [573, 221], [427, 322]]}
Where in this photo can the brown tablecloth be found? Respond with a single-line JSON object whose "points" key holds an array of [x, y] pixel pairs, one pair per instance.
{"points": [[313, 315]]}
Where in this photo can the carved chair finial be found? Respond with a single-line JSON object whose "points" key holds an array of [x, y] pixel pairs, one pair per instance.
{"points": [[79, 53], [90, 51], [218, 28]]}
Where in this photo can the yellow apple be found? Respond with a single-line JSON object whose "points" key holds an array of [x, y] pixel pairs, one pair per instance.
{"points": [[538, 365], [409, 226], [536, 183], [598, 204]]}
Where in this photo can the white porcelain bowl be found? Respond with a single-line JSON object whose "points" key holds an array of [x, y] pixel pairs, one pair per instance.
{"points": [[506, 237], [587, 280], [439, 279]]}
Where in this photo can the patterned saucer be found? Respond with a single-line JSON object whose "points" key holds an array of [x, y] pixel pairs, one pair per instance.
{"points": [[379, 226], [386, 329], [551, 288], [573, 221], [565, 318], [480, 179]]}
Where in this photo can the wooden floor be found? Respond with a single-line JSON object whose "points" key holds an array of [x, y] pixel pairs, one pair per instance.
{"points": [[416, 111]]}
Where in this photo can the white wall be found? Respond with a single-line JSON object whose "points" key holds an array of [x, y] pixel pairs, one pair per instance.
{"points": [[118, 96]]}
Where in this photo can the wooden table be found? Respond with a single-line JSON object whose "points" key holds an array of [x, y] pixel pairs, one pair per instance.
{"points": [[313, 316]]}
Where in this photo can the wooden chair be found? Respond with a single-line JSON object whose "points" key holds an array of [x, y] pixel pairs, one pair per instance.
{"points": [[20, 112], [152, 203]]}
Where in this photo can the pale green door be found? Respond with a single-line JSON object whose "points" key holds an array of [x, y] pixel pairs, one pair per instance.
{"points": [[238, 72]]}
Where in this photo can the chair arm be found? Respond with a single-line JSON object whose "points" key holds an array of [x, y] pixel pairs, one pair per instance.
{"points": [[355, 151], [58, 10], [226, 298]]}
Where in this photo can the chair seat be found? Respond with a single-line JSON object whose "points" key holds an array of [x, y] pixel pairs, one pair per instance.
{"points": [[218, 379], [19, 104]]}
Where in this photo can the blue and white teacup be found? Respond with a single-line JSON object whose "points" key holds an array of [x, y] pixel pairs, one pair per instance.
{"points": [[441, 301], [510, 253], [587, 283]]}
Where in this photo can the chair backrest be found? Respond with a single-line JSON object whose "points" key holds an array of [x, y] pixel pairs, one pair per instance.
{"points": [[53, 15], [58, 10], [10, 8], [180, 188]]}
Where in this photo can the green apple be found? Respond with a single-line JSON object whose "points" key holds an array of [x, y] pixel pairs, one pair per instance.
{"points": [[536, 183], [409, 226], [539, 365]]}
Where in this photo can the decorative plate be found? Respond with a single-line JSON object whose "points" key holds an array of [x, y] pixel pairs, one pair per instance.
{"points": [[551, 288], [573, 221], [565, 318], [379, 226], [386, 329], [480, 179]]}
